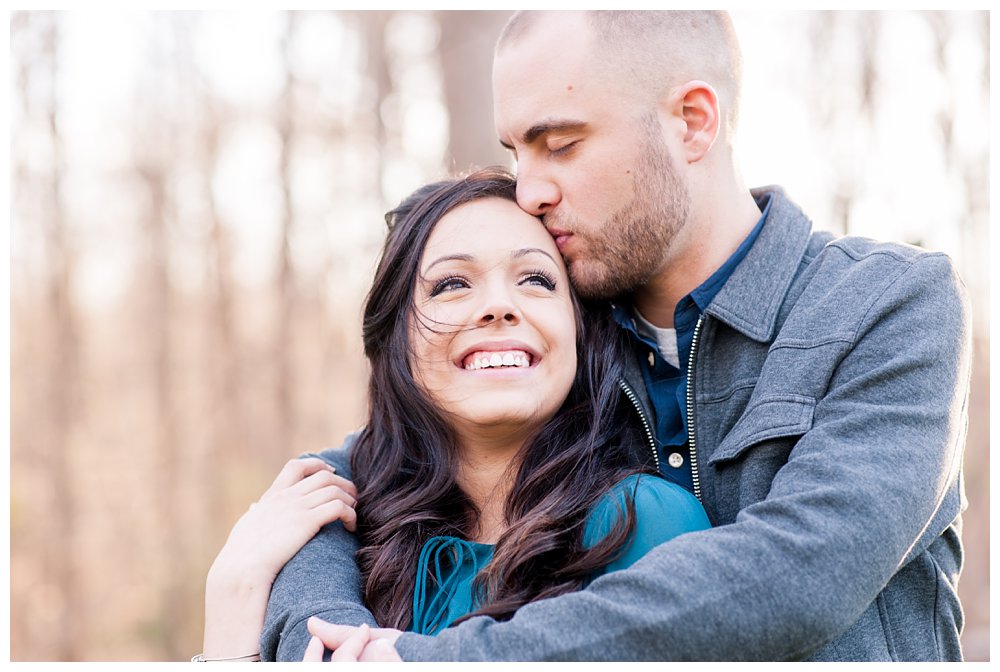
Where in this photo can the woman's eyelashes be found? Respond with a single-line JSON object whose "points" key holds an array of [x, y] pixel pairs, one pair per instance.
{"points": [[540, 278], [533, 278], [450, 283]]}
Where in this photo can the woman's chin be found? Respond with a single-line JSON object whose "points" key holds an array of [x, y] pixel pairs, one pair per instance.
{"points": [[521, 423]]}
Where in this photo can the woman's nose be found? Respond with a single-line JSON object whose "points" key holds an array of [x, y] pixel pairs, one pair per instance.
{"points": [[500, 306], [509, 317]]}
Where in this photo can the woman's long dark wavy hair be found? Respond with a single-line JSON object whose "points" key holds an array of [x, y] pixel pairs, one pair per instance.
{"points": [[405, 461]]}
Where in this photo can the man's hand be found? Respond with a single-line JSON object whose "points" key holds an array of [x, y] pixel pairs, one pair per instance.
{"points": [[350, 644]]}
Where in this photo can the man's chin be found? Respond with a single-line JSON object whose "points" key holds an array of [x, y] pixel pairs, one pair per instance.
{"points": [[596, 282]]}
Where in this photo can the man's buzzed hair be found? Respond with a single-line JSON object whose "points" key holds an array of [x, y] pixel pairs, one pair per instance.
{"points": [[659, 50]]}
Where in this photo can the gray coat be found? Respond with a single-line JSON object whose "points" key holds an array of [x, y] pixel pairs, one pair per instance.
{"points": [[830, 379]]}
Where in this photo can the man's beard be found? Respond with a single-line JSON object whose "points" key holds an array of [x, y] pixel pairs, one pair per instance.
{"points": [[629, 248]]}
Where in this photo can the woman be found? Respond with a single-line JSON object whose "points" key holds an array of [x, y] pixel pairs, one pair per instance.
{"points": [[501, 462]]}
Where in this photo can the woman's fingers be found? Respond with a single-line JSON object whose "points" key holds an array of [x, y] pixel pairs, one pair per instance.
{"points": [[380, 651], [322, 479], [314, 652], [353, 646], [298, 469], [336, 510], [331, 634], [346, 485], [328, 494]]}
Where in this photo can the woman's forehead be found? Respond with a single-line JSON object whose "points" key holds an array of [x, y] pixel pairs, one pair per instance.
{"points": [[488, 225]]}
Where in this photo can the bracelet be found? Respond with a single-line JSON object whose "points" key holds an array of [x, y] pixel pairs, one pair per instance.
{"points": [[252, 658]]}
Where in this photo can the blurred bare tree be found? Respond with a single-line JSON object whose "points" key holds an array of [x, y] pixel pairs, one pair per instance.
{"points": [[196, 212], [52, 370], [467, 41]]}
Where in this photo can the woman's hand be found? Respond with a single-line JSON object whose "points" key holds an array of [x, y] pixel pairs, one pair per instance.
{"points": [[350, 644], [305, 496]]}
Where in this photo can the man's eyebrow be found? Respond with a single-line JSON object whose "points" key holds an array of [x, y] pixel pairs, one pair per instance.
{"points": [[548, 126]]}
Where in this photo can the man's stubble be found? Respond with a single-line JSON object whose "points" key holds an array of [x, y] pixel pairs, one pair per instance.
{"points": [[629, 248]]}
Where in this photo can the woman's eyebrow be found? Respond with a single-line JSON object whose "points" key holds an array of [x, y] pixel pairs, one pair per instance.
{"points": [[449, 257], [516, 254]]}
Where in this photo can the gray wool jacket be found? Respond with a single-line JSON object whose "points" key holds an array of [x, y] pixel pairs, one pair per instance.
{"points": [[829, 386]]}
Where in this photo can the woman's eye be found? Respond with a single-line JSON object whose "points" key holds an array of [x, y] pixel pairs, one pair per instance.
{"points": [[539, 279], [449, 285]]}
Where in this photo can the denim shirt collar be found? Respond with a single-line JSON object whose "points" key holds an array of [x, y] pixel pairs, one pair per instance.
{"points": [[691, 306]]}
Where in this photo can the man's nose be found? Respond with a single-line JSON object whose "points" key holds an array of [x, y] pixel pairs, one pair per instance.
{"points": [[537, 193]]}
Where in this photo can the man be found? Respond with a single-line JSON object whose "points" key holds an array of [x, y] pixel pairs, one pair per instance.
{"points": [[810, 391]]}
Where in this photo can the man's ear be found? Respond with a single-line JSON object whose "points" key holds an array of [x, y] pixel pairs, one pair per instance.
{"points": [[696, 104]]}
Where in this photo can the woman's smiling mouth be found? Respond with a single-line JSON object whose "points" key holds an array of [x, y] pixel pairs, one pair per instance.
{"points": [[495, 359]]}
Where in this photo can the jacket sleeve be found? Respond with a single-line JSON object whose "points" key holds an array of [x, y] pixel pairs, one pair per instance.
{"points": [[322, 579], [868, 487]]}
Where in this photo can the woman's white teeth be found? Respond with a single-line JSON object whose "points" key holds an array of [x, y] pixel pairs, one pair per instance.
{"points": [[487, 360]]}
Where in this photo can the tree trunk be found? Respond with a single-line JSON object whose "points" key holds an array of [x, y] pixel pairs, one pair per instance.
{"points": [[63, 379], [285, 326], [467, 40]]}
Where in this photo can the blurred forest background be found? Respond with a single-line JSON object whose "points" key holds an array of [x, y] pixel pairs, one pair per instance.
{"points": [[196, 212]]}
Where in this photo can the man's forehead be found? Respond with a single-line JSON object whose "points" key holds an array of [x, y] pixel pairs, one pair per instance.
{"points": [[545, 26], [536, 82]]}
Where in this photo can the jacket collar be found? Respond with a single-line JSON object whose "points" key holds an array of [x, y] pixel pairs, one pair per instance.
{"points": [[750, 300]]}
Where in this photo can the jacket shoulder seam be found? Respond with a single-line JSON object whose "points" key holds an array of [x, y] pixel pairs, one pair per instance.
{"points": [[889, 285]]}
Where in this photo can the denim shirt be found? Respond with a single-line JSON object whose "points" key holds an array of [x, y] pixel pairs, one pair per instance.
{"points": [[830, 386], [665, 383]]}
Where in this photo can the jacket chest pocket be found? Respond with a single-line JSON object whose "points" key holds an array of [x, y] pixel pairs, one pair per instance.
{"points": [[758, 445]]}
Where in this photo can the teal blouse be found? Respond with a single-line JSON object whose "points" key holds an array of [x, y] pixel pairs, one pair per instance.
{"points": [[448, 565]]}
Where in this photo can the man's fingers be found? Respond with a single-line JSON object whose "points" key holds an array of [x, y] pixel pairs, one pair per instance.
{"points": [[351, 649], [314, 652]]}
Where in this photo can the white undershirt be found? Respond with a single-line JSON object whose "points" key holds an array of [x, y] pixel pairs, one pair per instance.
{"points": [[666, 339]]}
